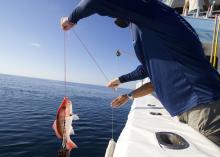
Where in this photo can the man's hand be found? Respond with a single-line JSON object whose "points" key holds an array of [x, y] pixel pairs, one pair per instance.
{"points": [[119, 101], [145, 89], [114, 83], [65, 24]]}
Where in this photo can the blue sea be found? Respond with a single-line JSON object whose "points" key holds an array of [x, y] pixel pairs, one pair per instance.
{"points": [[28, 108]]}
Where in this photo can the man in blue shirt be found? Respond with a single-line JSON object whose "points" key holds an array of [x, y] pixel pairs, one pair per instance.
{"points": [[168, 49]]}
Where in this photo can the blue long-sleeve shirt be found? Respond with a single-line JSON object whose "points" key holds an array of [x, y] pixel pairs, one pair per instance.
{"points": [[137, 74], [167, 47]]}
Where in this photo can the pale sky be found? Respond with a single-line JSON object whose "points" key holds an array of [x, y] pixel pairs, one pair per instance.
{"points": [[31, 43]]}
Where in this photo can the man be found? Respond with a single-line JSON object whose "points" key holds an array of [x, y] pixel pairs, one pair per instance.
{"points": [[171, 55], [199, 114], [192, 6]]}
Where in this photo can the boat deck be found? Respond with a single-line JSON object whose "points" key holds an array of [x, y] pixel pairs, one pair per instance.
{"points": [[147, 117]]}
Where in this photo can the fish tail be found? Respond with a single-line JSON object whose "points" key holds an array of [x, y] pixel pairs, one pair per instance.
{"points": [[70, 144]]}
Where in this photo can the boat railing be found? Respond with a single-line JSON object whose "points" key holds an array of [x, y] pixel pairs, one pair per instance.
{"points": [[210, 13], [204, 14]]}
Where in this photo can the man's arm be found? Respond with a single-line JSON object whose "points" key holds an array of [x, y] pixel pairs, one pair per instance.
{"points": [[186, 7], [138, 74], [126, 10], [143, 90], [139, 92], [84, 9]]}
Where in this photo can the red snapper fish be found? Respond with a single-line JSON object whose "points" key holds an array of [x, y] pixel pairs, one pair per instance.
{"points": [[63, 123]]}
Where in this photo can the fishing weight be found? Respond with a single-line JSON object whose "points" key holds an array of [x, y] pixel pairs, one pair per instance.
{"points": [[63, 152]]}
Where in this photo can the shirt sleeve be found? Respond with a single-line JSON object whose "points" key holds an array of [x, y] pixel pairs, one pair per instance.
{"points": [[138, 74], [114, 9], [84, 9]]}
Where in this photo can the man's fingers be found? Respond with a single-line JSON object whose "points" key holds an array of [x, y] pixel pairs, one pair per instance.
{"points": [[113, 84], [113, 87], [65, 24], [119, 101], [115, 103], [64, 28]]}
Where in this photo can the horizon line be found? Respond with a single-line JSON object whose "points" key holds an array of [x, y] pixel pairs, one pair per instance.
{"points": [[49, 79]]}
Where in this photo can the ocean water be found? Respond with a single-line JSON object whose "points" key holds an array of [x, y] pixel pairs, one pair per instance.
{"points": [[28, 108]]}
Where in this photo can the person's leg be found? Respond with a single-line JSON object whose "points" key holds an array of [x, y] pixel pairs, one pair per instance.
{"points": [[205, 118]]}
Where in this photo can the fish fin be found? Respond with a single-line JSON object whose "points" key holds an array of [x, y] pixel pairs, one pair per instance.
{"points": [[75, 117], [55, 129], [70, 144], [72, 131]]}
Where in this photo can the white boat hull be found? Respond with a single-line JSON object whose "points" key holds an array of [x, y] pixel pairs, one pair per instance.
{"points": [[138, 138]]}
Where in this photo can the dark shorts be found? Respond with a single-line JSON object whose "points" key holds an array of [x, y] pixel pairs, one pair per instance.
{"points": [[206, 119]]}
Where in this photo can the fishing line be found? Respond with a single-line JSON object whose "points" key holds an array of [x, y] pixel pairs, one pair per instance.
{"points": [[131, 32], [65, 89], [120, 52], [112, 123], [65, 61], [91, 56], [115, 91], [101, 71], [64, 132], [133, 40]]}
